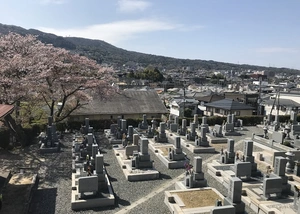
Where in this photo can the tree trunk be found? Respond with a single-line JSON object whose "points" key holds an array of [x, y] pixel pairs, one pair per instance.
{"points": [[16, 130]]}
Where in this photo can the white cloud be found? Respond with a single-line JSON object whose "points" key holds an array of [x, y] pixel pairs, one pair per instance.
{"points": [[277, 50], [129, 6], [115, 32]]}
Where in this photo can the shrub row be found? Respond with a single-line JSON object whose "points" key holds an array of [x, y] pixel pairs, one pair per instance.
{"points": [[99, 124], [212, 120]]}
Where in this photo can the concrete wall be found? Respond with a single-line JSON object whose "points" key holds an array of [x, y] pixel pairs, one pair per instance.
{"points": [[223, 113]]}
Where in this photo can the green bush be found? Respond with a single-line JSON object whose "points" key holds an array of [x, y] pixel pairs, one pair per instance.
{"points": [[213, 120], [104, 124], [252, 120], [287, 143]]}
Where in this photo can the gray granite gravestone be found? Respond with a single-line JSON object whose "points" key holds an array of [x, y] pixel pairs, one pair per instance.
{"points": [[229, 209], [88, 184], [144, 123], [196, 120], [182, 130], [196, 178], [279, 166], [192, 135], [162, 136], [234, 197], [204, 124], [176, 154], [248, 151], [243, 169], [142, 159], [136, 138], [202, 140], [272, 185], [130, 135], [217, 131], [86, 125], [99, 163], [279, 170], [94, 150], [228, 157]]}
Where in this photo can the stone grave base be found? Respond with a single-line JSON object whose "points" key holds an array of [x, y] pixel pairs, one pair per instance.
{"points": [[223, 172], [202, 149], [179, 185], [103, 200], [235, 133], [55, 148], [115, 141], [220, 172], [258, 205], [196, 200], [239, 207], [268, 142], [111, 137], [162, 152], [253, 191], [198, 149], [216, 140], [134, 174]]}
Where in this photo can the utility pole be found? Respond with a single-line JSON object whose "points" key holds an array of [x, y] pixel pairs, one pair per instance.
{"points": [[183, 98], [259, 98]]}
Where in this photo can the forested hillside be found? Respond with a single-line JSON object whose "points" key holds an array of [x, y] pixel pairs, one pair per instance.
{"points": [[104, 52]]}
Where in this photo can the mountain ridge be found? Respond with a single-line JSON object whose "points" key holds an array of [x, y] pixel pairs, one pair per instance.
{"points": [[104, 52]]}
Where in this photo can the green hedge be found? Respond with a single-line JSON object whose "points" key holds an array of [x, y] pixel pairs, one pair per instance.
{"points": [[212, 120], [100, 124]]}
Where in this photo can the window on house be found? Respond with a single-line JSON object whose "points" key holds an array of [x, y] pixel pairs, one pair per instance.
{"points": [[111, 117], [217, 110], [237, 113]]}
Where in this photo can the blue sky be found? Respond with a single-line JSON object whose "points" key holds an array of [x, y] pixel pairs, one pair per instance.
{"points": [[259, 32]]}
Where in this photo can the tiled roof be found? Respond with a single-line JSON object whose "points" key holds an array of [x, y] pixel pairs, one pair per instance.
{"points": [[5, 110], [282, 102], [229, 104], [211, 98], [126, 102]]}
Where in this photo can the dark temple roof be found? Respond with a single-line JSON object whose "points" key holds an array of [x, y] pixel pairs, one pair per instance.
{"points": [[229, 104], [126, 102]]}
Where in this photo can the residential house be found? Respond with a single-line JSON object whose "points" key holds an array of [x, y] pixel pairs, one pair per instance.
{"points": [[249, 98], [130, 104], [228, 106], [281, 106], [208, 99], [178, 105]]}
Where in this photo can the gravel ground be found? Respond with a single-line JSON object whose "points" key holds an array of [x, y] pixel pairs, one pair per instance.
{"points": [[54, 190]]}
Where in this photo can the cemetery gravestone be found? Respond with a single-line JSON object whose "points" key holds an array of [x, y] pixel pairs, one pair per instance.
{"points": [[235, 195], [272, 185], [177, 154], [182, 130], [229, 209]]}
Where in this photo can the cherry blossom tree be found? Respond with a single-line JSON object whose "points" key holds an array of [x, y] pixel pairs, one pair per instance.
{"points": [[60, 80], [16, 53], [69, 80]]}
